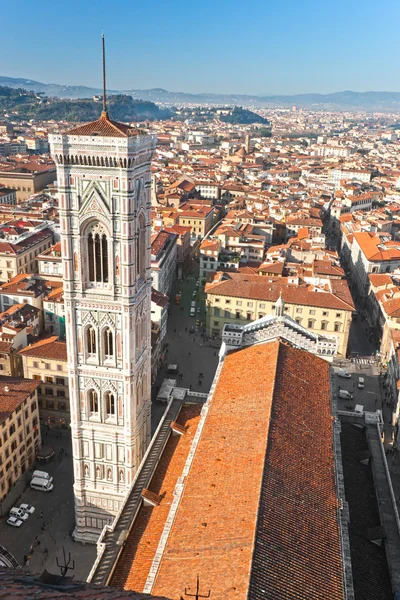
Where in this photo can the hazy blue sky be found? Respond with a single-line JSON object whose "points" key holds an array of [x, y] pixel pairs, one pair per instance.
{"points": [[231, 46]]}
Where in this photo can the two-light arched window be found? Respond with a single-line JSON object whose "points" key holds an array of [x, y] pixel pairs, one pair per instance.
{"points": [[97, 253], [109, 404]]}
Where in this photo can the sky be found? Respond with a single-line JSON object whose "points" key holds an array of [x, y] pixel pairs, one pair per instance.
{"points": [[227, 46]]}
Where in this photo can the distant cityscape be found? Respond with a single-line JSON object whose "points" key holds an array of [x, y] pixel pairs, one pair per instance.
{"points": [[199, 344]]}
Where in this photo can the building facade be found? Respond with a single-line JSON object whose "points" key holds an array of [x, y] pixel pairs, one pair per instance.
{"points": [[103, 171], [19, 431], [46, 361]]}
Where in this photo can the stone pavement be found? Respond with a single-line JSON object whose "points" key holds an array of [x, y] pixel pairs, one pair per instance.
{"points": [[57, 508], [189, 351]]}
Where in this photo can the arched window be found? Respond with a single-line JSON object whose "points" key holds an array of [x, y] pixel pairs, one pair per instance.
{"points": [[108, 342], [140, 249], [110, 404], [97, 252], [93, 398], [91, 341]]}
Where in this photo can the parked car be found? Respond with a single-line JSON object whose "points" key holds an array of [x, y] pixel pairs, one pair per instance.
{"points": [[28, 508], [43, 485], [345, 395], [19, 514], [360, 383], [42, 475], [14, 521], [344, 373]]}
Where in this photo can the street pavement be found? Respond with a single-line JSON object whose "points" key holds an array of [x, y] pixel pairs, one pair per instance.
{"points": [[57, 508], [192, 352]]}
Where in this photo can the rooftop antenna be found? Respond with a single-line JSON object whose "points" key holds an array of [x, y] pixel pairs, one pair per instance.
{"points": [[104, 114], [197, 595]]}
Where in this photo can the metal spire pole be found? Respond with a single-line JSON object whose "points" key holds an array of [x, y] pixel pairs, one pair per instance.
{"points": [[104, 114]]}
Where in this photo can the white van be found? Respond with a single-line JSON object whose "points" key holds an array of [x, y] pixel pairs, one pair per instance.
{"points": [[41, 484], [42, 475], [192, 312], [344, 373], [19, 514], [345, 395]]}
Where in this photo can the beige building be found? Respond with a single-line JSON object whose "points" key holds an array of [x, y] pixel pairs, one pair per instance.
{"points": [[19, 431], [27, 183], [46, 362], [238, 298], [20, 247]]}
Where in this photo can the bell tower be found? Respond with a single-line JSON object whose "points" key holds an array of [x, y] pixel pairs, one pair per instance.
{"points": [[104, 179]]}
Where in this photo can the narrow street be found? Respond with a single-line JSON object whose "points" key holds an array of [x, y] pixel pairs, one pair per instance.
{"points": [[186, 348]]}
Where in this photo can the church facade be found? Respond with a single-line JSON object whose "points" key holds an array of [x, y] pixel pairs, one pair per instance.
{"points": [[104, 178]]}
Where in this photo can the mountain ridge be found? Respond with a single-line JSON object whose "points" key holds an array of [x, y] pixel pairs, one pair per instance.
{"points": [[345, 100]]}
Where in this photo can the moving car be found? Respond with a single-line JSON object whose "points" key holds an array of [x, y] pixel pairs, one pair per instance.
{"points": [[192, 312], [344, 373], [19, 514], [28, 508], [43, 485], [360, 383], [14, 521]]}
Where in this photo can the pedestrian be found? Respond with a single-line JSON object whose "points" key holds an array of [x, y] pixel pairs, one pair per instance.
{"points": [[190, 353], [190, 386], [25, 559], [41, 514], [199, 381], [31, 549], [376, 400], [174, 330], [46, 551], [185, 328]]}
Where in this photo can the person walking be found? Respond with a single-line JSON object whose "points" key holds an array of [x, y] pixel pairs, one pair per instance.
{"points": [[41, 514]]}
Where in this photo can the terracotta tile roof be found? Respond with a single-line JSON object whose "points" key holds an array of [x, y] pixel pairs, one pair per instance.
{"points": [[103, 127], [13, 391], [138, 553], [258, 514], [19, 585], [50, 347], [375, 249], [257, 287]]}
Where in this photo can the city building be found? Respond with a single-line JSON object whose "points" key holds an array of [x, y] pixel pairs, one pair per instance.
{"points": [[19, 434], [20, 243], [46, 361], [7, 196], [164, 254], [104, 178], [199, 218], [27, 175], [234, 298]]}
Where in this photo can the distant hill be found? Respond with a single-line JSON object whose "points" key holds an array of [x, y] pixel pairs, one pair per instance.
{"points": [[348, 100], [33, 105]]}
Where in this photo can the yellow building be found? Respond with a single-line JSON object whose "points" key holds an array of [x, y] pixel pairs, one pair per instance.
{"points": [[46, 362], [199, 218], [239, 298], [19, 431]]}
